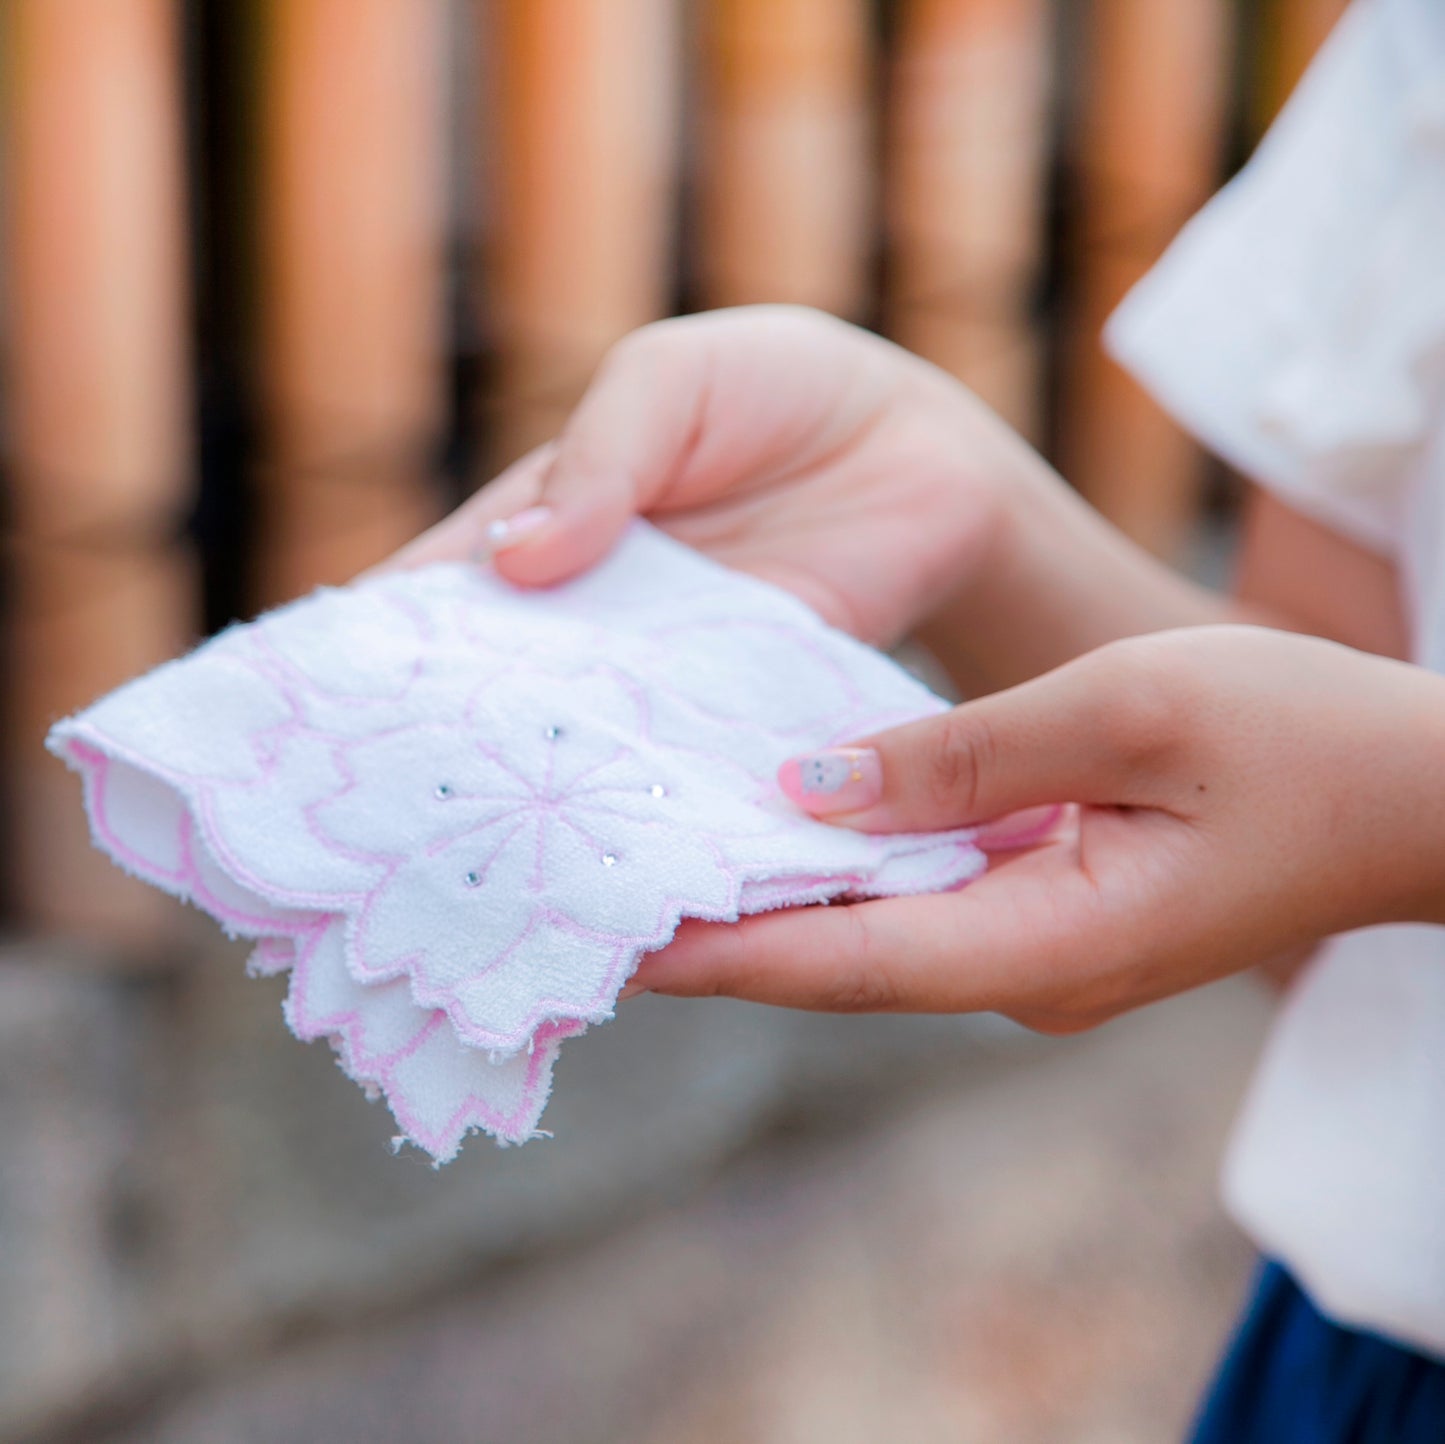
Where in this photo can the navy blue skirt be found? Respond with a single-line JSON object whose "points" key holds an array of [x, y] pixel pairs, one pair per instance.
{"points": [[1293, 1377]]}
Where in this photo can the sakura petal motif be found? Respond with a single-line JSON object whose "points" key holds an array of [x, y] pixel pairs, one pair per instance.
{"points": [[229, 744], [438, 1089], [458, 813]]}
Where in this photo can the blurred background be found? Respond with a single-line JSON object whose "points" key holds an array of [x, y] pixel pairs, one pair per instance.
{"points": [[283, 280]]}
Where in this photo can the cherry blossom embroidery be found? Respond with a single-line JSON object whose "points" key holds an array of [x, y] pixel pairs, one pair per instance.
{"points": [[457, 814]]}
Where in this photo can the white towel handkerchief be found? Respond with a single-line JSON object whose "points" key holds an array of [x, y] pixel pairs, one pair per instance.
{"points": [[458, 812]]}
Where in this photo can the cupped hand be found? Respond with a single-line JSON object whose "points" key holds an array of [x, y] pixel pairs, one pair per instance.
{"points": [[1240, 792], [779, 441]]}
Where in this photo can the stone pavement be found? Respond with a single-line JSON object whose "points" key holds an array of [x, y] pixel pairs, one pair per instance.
{"points": [[1020, 1247], [183, 1184]]}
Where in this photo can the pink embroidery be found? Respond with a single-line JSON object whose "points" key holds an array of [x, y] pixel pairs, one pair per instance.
{"points": [[458, 814]]}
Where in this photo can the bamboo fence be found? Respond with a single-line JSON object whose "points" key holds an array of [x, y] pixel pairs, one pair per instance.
{"points": [[967, 158], [460, 204], [1155, 87], [97, 422], [784, 165], [352, 218], [584, 165]]}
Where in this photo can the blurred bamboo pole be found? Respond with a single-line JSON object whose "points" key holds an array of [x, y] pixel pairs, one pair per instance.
{"points": [[582, 149], [1291, 31], [967, 154], [97, 414], [1155, 92], [785, 164], [353, 333]]}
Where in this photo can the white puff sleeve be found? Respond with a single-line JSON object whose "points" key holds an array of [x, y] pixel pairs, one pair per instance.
{"points": [[1297, 324]]}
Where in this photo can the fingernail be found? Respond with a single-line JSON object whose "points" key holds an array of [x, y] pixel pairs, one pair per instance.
{"points": [[630, 990], [1018, 829], [839, 779], [508, 531]]}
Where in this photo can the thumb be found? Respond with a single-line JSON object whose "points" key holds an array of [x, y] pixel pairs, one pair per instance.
{"points": [[617, 454], [1104, 729]]}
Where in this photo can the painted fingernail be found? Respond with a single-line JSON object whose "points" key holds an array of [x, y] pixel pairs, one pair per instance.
{"points": [[839, 779], [508, 531], [1018, 829]]}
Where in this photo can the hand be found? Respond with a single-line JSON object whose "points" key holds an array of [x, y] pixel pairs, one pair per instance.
{"points": [[781, 442], [1241, 791], [868, 483]]}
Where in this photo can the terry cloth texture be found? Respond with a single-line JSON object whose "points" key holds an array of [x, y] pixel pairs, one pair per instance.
{"points": [[458, 812]]}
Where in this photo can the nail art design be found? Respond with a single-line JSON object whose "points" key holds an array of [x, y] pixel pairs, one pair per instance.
{"points": [[839, 779], [829, 771]]}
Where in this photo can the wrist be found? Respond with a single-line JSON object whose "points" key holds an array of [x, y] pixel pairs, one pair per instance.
{"points": [[974, 627], [1053, 581], [1384, 826], [1426, 803]]}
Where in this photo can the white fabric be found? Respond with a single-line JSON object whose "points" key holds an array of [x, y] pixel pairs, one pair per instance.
{"points": [[1298, 326], [458, 813]]}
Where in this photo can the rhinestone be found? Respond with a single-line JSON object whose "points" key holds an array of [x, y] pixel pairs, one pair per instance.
{"points": [[553, 733], [658, 790], [473, 879], [442, 791], [609, 859]]}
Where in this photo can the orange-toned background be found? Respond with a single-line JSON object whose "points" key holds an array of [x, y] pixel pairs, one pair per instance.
{"points": [[282, 279]]}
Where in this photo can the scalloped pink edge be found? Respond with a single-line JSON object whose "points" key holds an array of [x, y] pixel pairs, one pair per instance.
{"points": [[548, 1023], [346, 1031], [91, 753]]}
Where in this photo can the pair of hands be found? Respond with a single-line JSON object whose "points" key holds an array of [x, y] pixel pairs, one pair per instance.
{"points": [[1236, 791]]}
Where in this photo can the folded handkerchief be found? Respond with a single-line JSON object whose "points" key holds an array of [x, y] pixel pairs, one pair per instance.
{"points": [[458, 812]]}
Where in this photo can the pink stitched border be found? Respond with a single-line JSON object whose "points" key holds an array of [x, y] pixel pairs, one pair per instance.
{"points": [[956, 866], [347, 1031], [95, 753], [347, 1028], [748, 888]]}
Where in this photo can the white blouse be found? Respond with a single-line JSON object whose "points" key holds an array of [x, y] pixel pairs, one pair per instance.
{"points": [[1297, 326]]}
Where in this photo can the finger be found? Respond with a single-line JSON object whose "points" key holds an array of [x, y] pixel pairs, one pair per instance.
{"points": [[1104, 729], [998, 945], [616, 455], [464, 535], [830, 959]]}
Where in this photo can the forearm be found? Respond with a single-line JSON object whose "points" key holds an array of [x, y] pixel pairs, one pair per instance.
{"points": [[1392, 808], [1055, 581]]}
